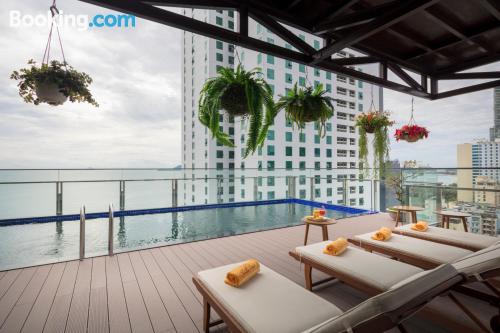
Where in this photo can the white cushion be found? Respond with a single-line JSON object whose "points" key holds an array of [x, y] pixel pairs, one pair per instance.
{"points": [[360, 264], [269, 302], [426, 250], [479, 262], [409, 290], [452, 236]]}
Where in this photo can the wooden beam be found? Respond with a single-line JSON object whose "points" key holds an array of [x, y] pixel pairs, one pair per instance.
{"points": [[404, 76], [405, 10], [354, 61], [357, 18], [469, 89], [470, 76], [205, 29], [493, 7], [446, 21], [338, 8], [243, 20], [283, 32], [468, 64]]}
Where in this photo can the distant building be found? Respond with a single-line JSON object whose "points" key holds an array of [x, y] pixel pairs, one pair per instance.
{"points": [[495, 130]]}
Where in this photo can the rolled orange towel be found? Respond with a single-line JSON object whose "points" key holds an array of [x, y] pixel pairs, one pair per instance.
{"points": [[382, 234], [420, 226], [241, 274], [336, 247]]}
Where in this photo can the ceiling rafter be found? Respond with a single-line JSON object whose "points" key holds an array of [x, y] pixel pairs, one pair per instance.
{"points": [[283, 32], [381, 23], [356, 18], [404, 76], [465, 90], [493, 7], [336, 10]]}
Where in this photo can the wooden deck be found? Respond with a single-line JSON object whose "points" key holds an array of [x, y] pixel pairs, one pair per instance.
{"points": [[151, 290]]}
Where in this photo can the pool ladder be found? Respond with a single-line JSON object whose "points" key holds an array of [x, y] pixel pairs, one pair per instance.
{"points": [[111, 217]]}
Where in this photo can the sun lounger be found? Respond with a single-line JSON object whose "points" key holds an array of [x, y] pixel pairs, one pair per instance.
{"points": [[374, 274], [272, 303], [414, 251], [465, 240]]}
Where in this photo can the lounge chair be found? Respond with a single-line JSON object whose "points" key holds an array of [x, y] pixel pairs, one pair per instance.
{"points": [[465, 240], [272, 303], [417, 252], [368, 272]]}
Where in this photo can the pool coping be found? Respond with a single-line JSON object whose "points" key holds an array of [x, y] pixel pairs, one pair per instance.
{"points": [[150, 211]]}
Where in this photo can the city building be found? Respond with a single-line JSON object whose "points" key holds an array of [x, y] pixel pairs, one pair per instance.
{"points": [[495, 130], [323, 168]]}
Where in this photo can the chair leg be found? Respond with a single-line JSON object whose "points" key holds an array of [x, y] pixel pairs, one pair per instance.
{"points": [[468, 313], [397, 218], [308, 276], [307, 233], [325, 232], [464, 222], [206, 316]]}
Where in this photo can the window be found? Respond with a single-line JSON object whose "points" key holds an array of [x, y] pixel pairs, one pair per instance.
{"points": [[302, 151], [302, 194], [317, 165], [270, 150], [230, 13], [288, 136], [360, 95], [288, 123], [317, 72], [230, 25], [270, 135], [230, 60], [219, 166], [288, 78], [270, 181], [270, 195], [329, 87], [317, 152], [302, 137], [218, 20], [219, 45], [259, 58], [316, 44], [329, 139], [288, 165], [219, 57], [328, 152], [328, 75], [270, 59], [302, 166], [220, 154], [270, 73], [302, 68], [288, 151], [288, 64], [328, 127], [316, 138], [270, 165], [231, 154], [302, 81]]}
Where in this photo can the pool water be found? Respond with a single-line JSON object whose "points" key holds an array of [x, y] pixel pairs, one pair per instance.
{"points": [[38, 243]]}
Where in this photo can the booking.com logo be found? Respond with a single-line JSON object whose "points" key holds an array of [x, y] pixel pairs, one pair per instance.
{"points": [[81, 22]]}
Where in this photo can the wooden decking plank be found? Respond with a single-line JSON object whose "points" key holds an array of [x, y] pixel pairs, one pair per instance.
{"points": [[160, 319], [119, 321], [7, 280], [40, 310], [182, 291], [138, 315], [58, 314], [15, 320], [98, 303], [16, 289], [79, 309], [178, 314]]}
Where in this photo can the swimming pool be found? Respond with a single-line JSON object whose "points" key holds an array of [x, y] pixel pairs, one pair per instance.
{"points": [[32, 241]]}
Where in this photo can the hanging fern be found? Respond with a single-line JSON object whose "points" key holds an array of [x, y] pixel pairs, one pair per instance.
{"points": [[238, 93], [307, 105]]}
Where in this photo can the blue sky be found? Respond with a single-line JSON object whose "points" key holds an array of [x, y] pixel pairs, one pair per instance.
{"points": [[137, 81]]}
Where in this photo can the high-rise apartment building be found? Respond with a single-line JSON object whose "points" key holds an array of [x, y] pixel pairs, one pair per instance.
{"points": [[323, 168], [495, 130]]}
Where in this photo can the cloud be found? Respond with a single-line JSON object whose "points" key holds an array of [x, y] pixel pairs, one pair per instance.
{"points": [[137, 82]]}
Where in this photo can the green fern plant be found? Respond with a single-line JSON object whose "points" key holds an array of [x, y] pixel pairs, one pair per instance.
{"points": [[307, 105], [238, 93]]}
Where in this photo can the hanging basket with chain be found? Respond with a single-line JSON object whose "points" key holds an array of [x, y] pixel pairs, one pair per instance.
{"points": [[53, 82], [411, 132]]}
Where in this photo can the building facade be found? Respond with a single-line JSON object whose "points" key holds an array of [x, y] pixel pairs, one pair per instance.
{"points": [[292, 162], [495, 130]]}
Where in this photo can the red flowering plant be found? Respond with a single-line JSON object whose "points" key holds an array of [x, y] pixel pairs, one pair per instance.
{"points": [[411, 133]]}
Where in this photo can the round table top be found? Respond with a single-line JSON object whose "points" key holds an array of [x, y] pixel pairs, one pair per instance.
{"points": [[408, 208], [327, 221], [452, 213]]}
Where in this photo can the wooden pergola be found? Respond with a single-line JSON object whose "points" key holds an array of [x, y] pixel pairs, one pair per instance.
{"points": [[420, 41]]}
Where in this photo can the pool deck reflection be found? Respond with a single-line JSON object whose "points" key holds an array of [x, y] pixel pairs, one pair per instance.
{"points": [[151, 290]]}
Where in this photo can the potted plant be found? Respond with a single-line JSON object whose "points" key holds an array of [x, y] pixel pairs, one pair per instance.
{"points": [[376, 122], [411, 133], [53, 83], [307, 105], [239, 93]]}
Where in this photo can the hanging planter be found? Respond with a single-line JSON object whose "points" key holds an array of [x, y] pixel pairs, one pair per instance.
{"points": [[376, 123], [238, 93], [411, 132], [53, 82], [307, 105]]}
